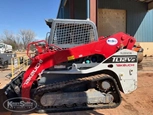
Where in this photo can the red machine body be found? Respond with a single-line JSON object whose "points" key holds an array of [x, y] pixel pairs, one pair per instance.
{"points": [[49, 57]]}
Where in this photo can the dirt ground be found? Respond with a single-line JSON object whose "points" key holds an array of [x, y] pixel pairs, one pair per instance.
{"points": [[139, 102]]}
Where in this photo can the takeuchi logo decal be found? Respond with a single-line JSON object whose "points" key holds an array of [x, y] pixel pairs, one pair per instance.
{"points": [[125, 65], [33, 71], [19, 104]]}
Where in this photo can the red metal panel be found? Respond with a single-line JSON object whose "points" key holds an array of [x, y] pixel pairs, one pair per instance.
{"points": [[104, 46]]}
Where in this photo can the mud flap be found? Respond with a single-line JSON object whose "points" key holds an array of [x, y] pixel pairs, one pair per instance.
{"points": [[3, 97]]}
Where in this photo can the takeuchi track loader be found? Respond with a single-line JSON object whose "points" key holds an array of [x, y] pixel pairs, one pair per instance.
{"points": [[75, 70]]}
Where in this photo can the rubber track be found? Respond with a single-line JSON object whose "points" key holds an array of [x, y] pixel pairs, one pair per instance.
{"points": [[56, 86]]}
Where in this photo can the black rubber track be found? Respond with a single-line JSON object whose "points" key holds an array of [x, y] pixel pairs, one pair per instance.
{"points": [[38, 93]]}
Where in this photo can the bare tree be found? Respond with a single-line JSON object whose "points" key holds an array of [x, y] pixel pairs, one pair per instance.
{"points": [[26, 37], [9, 37], [18, 41]]}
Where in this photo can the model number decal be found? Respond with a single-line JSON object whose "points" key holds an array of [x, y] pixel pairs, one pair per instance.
{"points": [[33, 72], [112, 41], [122, 59]]}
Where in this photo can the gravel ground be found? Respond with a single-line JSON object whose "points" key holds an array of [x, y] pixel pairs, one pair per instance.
{"points": [[3, 79], [139, 102]]}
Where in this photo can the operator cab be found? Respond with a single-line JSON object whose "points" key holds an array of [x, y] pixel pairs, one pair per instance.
{"points": [[67, 33]]}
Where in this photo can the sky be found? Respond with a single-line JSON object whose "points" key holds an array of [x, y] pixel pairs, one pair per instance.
{"points": [[27, 14]]}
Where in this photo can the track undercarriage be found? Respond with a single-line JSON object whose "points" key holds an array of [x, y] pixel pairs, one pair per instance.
{"points": [[97, 91], [92, 91]]}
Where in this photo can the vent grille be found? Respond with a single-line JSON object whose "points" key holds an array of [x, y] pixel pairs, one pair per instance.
{"points": [[73, 33]]}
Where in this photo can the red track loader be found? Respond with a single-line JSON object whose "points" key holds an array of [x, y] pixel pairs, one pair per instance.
{"points": [[74, 70]]}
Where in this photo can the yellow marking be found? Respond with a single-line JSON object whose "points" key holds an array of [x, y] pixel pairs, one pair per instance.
{"points": [[70, 58]]}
